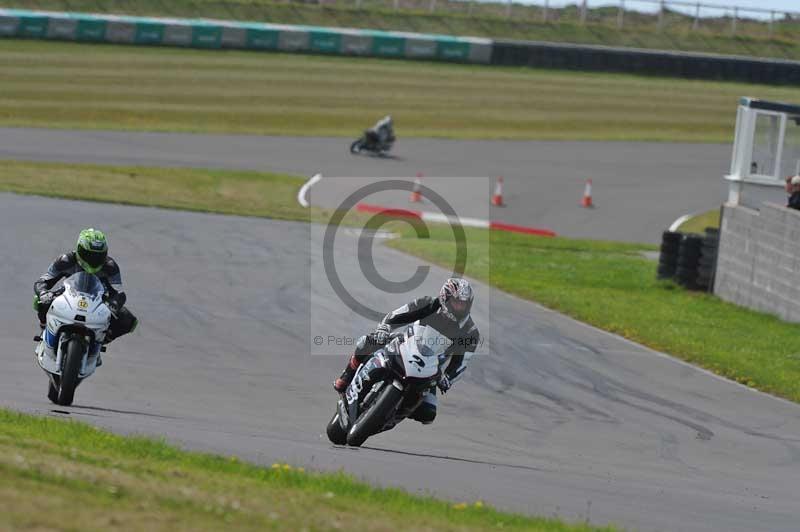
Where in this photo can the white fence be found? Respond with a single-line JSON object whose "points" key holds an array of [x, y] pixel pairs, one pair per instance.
{"points": [[661, 14]]}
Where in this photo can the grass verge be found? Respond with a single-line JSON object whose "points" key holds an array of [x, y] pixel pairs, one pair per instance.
{"points": [[58, 475], [70, 85], [612, 286], [699, 222], [488, 19], [220, 191], [607, 284]]}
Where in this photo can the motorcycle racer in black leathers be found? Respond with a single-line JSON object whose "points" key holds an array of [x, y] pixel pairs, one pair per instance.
{"points": [[91, 256], [382, 133], [449, 313]]}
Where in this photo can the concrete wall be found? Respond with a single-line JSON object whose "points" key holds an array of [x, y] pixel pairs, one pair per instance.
{"points": [[758, 264], [753, 195], [641, 61]]}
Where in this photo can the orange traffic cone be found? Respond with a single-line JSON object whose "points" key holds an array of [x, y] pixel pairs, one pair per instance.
{"points": [[416, 195], [497, 197], [587, 195]]}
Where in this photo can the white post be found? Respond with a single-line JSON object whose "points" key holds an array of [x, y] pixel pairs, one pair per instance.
{"points": [[546, 9], [396, 4], [733, 22], [621, 15], [696, 23], [583, 13], [471, 5], [358, 4], [433, 6], [771, 23], [661, 16], [776, 173], [508, 9]]}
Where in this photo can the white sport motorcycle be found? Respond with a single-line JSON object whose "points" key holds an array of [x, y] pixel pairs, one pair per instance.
{"points": [[70, 346], [389, 386]]}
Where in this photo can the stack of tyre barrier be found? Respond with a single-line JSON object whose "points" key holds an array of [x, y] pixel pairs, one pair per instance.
{"points": [[668, 258], [689, 259]]}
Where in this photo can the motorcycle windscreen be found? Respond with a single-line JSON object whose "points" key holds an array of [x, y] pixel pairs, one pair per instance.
{"points": [[430, 342], [84, 283], [421, 352]]}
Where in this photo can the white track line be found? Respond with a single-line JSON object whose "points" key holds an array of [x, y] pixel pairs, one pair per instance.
{"points": [[679, 222], [303, 192], [443, 218]]}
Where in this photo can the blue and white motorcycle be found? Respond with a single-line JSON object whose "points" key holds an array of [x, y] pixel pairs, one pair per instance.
{"points": [[70, 345]]}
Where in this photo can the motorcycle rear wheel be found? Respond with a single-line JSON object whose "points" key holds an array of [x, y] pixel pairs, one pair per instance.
{"points": [[356, 146], [374, 418]]}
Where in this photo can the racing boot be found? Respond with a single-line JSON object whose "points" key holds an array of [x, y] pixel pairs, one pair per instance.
{"points": [[341, 384]]}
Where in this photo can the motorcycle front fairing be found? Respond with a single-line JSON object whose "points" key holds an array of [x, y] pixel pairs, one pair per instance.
{"points": [[367, 379], [78, 311], [412, 358]]}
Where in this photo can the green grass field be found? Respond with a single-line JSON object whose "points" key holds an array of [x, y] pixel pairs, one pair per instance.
{"points": [[488, 20], [612, 286], [220, 191], [60, 475], [68, 85], [607, 284], [698, 222]]}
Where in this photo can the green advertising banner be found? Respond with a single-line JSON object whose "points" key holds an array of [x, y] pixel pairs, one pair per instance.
{"points": [[91, 30], [32, 26], [248, 35], [149, 33], [206, 36], [453, 50], [326, 42], [388, 46], [262, 39]]}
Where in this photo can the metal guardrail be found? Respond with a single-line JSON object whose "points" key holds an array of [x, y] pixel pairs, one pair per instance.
{"points": [[697, 11]]}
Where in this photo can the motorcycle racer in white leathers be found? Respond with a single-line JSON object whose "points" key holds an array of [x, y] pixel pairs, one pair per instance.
{"points": [[448, 313]]}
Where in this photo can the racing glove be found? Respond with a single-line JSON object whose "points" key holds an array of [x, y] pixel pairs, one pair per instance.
{"points": [[444, 383], [114, 305], [43, 301]]}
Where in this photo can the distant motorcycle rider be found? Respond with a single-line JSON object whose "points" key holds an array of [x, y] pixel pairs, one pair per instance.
{"points": [[91, 256], [382, 133], [449, 313]]}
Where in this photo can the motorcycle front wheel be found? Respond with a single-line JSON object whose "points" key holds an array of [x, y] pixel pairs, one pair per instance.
{"points": [[376, 415], [336, 433], [52, 392], [356, 146], [69, 374]]}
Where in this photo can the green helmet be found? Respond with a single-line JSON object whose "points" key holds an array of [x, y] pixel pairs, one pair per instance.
{"points": [[92, 250]]}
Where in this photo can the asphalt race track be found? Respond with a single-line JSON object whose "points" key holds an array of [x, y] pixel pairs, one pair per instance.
{"points": [[555, 417], [639, 188]]}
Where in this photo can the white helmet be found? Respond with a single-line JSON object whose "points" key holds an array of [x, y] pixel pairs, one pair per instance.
{"points": [[455, 299]]}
